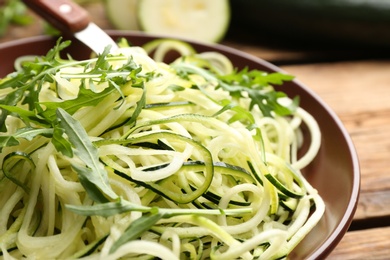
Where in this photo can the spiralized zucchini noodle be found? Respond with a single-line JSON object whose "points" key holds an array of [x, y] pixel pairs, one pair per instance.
{"points": [[126, 155]]}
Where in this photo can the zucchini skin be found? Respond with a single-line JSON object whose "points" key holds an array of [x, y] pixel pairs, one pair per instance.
{"points": [[330, 22]]}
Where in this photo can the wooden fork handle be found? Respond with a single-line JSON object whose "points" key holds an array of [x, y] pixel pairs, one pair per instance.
{"points": [[65, 15]]}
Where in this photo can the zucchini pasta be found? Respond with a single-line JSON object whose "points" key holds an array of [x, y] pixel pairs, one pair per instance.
{"points": [[125, 155]]}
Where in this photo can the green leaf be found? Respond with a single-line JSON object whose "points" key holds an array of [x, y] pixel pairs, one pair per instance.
{"points": [[248, 77], [28, 81], [27, 84], [54, 53], [60, 142], [8, 140], [13, 79], [136, 229], [93, 184], [140, 105], [107, 209], [86, 97], [175, 87], [242, 114], [258, 85], [27, 133], [10, 100], [92, 174], [26, 115]]}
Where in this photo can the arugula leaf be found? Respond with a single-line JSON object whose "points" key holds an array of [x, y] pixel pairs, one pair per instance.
{"points": [[27, 82], [86, 97], [108, 209], [248, 77], [11, 100], [91, 173], [258, 86], [136, 229], [60, 142], [26, 115], [140, 105], [8, 140], [27, 133]]}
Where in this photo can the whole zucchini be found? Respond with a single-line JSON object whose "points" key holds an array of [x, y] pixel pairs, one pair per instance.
{"points": [[335, 22]]}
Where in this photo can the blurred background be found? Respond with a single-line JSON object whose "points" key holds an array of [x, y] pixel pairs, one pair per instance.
{"points": [[329, 30]]}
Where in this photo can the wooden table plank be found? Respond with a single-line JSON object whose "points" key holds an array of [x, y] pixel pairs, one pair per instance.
{"points": [[374, 204], [341, 84], [365, 244]]}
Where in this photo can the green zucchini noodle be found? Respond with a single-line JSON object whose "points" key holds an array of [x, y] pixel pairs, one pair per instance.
{"points": [[127, 156]]}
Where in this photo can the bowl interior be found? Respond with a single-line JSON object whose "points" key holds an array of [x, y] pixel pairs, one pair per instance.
{"points": [[334, 173]]}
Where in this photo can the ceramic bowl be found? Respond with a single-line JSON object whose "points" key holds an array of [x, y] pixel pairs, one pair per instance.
{"points": [[334, 173]]}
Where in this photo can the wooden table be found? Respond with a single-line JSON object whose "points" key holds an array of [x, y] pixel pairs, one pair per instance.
{"points": [[356, 85]]}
